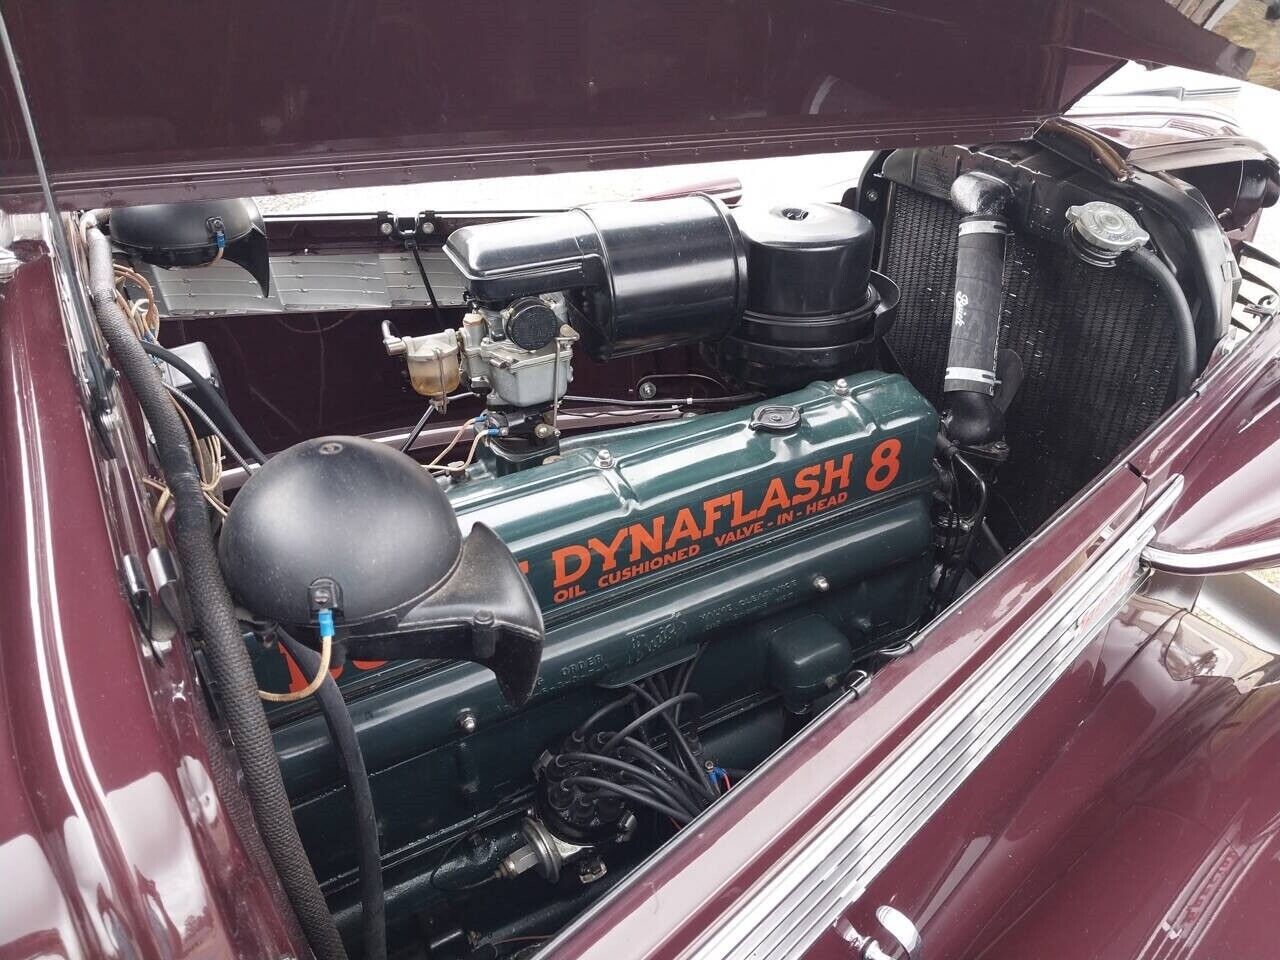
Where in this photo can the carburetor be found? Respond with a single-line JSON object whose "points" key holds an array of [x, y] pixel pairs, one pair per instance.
{"points": [[518, 358]]}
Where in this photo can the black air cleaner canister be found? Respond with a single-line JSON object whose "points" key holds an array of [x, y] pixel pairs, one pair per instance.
{"points": [[641, 276], [814, 307]]}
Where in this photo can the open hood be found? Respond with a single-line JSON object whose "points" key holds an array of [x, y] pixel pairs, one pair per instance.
{"points": [[159, 101]]}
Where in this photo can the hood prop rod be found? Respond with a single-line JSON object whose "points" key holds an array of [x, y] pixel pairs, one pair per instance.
{"points": [[99, 386]]}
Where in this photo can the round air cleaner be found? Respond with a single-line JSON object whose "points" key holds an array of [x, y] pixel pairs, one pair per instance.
{"points": [[814, 308]]}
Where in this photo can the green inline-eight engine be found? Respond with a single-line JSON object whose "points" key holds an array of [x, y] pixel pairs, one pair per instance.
{"points": [[562, 649], [783, 539]]}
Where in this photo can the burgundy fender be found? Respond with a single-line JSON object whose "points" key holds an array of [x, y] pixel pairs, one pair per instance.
{"points": [[118, 809], [1228, 517]]}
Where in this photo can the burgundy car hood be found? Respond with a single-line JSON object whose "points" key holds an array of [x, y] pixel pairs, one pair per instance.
{"points": [[161, 100]]}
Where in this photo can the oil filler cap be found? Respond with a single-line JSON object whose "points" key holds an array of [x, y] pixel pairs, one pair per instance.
{"points": [[775, 418]]}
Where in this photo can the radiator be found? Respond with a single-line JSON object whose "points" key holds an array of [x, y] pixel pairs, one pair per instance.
{"points": [[1097, 347]]}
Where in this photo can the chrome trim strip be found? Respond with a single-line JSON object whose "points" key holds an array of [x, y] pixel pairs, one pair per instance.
{"points": [[787, 913], [1223, 560]]}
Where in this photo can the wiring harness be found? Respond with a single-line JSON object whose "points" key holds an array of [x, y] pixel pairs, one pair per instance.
{"points": [[631, 756]]}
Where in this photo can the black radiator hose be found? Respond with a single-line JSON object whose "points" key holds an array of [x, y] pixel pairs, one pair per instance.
{"points": [[972, 417], [1183, 323], [215, 615], [1101, 233], [333, 707]]}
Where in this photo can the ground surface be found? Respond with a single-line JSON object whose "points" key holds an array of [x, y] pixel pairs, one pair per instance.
{"points": [[1248, 26]]}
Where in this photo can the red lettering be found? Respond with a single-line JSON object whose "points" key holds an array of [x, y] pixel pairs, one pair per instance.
{"points": [[685, 528], [775, 496], [560, 561], [832, 474], [884, 465], [739, 518], [711, 513], [642, 536], [806, 484], [608, 551]]}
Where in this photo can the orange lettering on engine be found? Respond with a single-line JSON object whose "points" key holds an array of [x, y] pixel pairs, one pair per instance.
{"points": [[560, 561], [832, 474], [807, 485], [608, 551], [685, 528], [644, 540], [774, 497], [711, 513]]}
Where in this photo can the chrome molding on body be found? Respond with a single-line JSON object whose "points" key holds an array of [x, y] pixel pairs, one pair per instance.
{"points": [[787, 913], [1221, 560]]}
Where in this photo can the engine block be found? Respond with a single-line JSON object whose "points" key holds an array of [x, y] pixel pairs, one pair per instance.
{"points": [[786, 537]]}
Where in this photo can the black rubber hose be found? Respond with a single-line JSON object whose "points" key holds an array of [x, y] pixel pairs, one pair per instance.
{"points": [[373, 903], [215, 615], [972, 417], [1184, 324], [993, 541], [210, 400]]}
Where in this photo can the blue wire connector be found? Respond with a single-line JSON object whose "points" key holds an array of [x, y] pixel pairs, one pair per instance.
{"points": [[219, 232], [719, 778], [325, 619]]}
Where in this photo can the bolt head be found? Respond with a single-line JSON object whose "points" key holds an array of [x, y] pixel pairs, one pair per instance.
{"points": [[648, 390], [385, 228], [427, 227], [821, 583], [604, 459], [467, 721], [841, 388]]}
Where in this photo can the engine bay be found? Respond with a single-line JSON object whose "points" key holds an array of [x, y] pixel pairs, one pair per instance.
{"points": [[588, 513]]}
